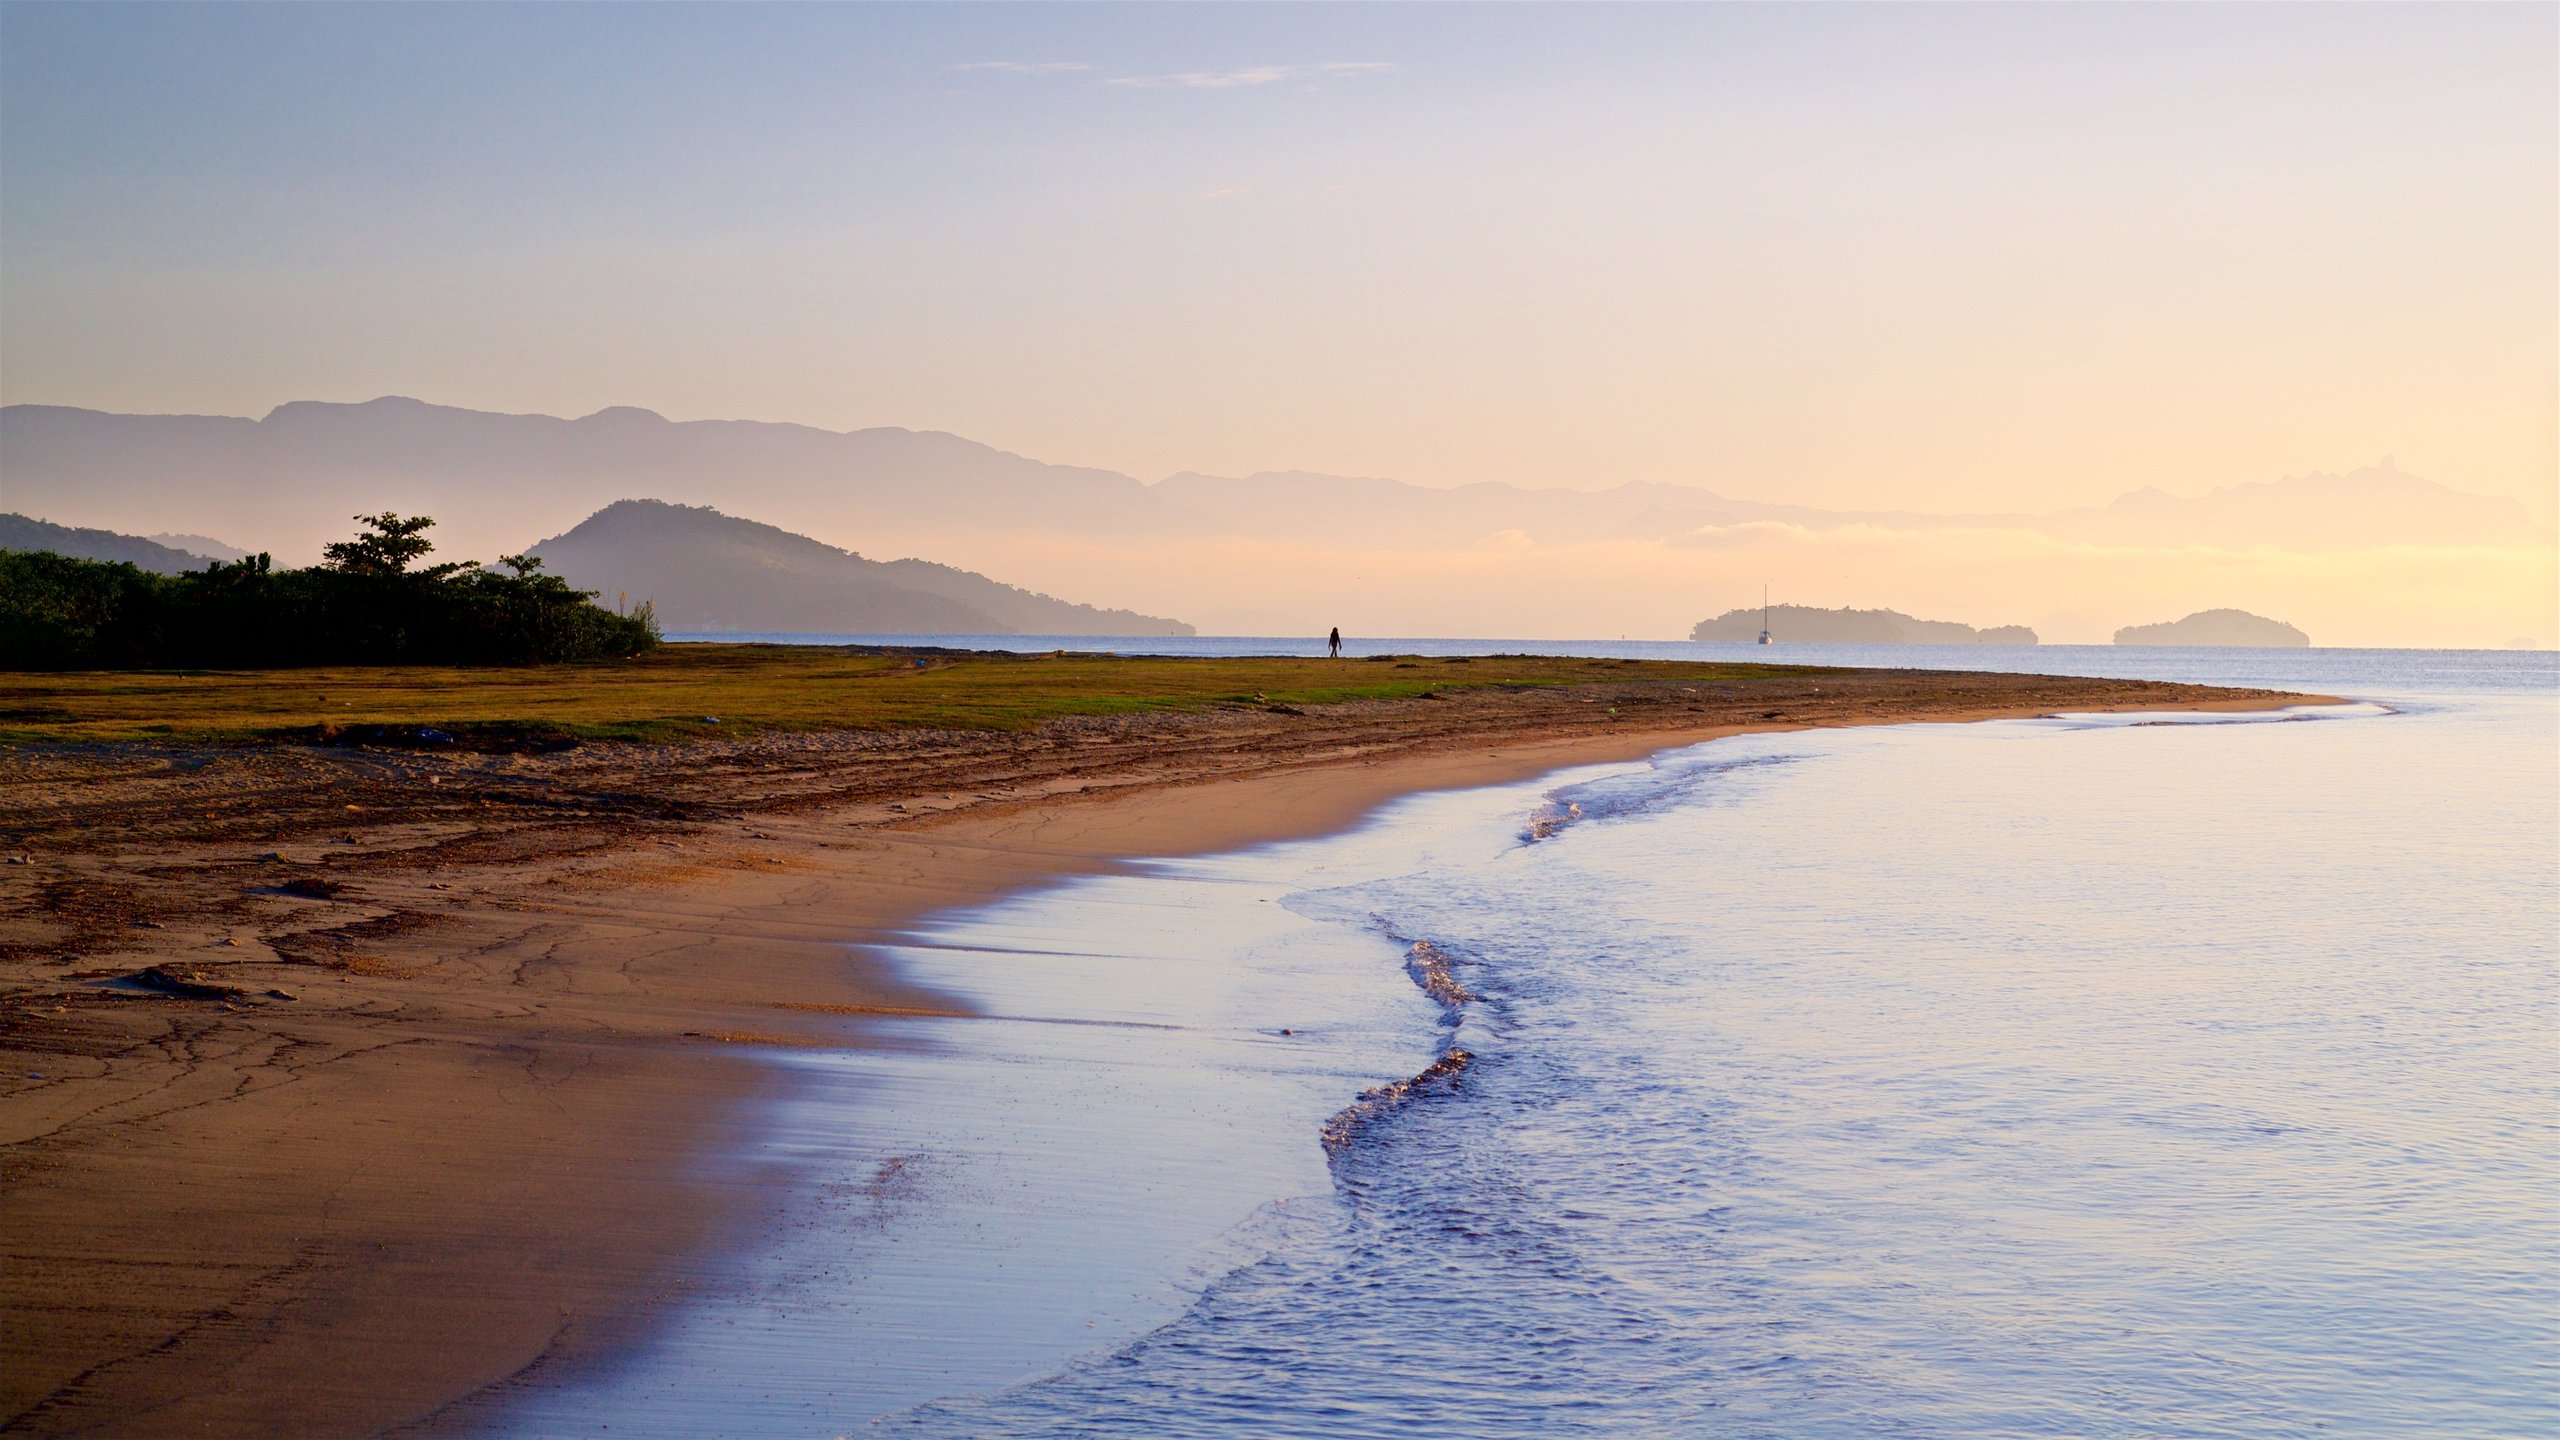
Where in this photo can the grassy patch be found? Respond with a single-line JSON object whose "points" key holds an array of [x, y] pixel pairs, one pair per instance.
{"points": [[689, 692]]}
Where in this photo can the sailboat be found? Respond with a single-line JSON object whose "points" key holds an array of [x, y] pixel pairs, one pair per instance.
{"points": [[1764, 617]]}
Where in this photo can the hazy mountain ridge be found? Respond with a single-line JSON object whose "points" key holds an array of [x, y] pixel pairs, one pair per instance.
{"points": [[1805, 624], [2375, 553], [706, 571], [2312, 512], [298, 472], [1371, 510], [204, 545], [23, 532], [299, 466]]}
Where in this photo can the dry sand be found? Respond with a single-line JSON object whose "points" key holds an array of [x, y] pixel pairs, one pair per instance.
{"points": [[440, 1042]]}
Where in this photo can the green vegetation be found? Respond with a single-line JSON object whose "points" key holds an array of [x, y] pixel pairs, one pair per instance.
{"points": [[364, 605], [679, 692]]}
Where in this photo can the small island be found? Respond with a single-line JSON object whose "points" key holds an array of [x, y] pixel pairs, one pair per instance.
{"points": [[1807, 625], [2233, 628]]}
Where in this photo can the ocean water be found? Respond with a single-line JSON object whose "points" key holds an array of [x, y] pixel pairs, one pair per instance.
{"points": [[2125, 1076], [2135, 662]]}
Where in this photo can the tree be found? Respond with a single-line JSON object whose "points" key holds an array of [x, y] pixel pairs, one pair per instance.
{"points": [[388, 550]]}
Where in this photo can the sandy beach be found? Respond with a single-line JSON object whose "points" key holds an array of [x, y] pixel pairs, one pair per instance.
{"points": [[345, 1084]]}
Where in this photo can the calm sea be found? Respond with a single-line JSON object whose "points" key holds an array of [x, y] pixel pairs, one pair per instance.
{"points": [[2124, 1076]]}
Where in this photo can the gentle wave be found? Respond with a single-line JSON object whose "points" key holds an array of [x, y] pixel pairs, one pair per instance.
{"points": [[1440, 1077], [1679, 779]]}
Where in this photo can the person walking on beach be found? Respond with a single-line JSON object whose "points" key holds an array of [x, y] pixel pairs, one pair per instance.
{"points": [[1335, 642]]}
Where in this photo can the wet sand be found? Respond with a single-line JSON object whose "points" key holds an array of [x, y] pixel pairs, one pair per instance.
{"points": [[414, 1089]]}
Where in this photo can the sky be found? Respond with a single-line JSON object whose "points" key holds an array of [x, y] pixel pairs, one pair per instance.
{"points": [[1949, 258], [1943, 258]]}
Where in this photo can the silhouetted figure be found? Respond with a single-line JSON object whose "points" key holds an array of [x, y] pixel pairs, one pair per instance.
{"points": [[1335, 641]]}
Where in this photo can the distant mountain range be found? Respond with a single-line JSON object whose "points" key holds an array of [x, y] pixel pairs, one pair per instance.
{"points": [[1806, 625], [705, 571], [2378, 504], [2236, 629], [2376, 551], [289, 475], [20, 532], [204, 545], [293, 477]]}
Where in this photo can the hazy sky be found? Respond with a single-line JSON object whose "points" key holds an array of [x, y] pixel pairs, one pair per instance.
{"points": [[2014, 257]]}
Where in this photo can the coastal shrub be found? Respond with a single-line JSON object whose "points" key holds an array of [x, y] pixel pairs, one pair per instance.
{"points": [[57, 613], [363, 605]]}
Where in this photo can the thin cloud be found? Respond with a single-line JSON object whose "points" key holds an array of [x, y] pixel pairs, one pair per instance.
{"points": [[1023, 67], [1251, 75], [1205, 79], [1229, 192]]}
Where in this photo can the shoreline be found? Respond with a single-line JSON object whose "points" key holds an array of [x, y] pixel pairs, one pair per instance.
{"points": [[479, 1161]]}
